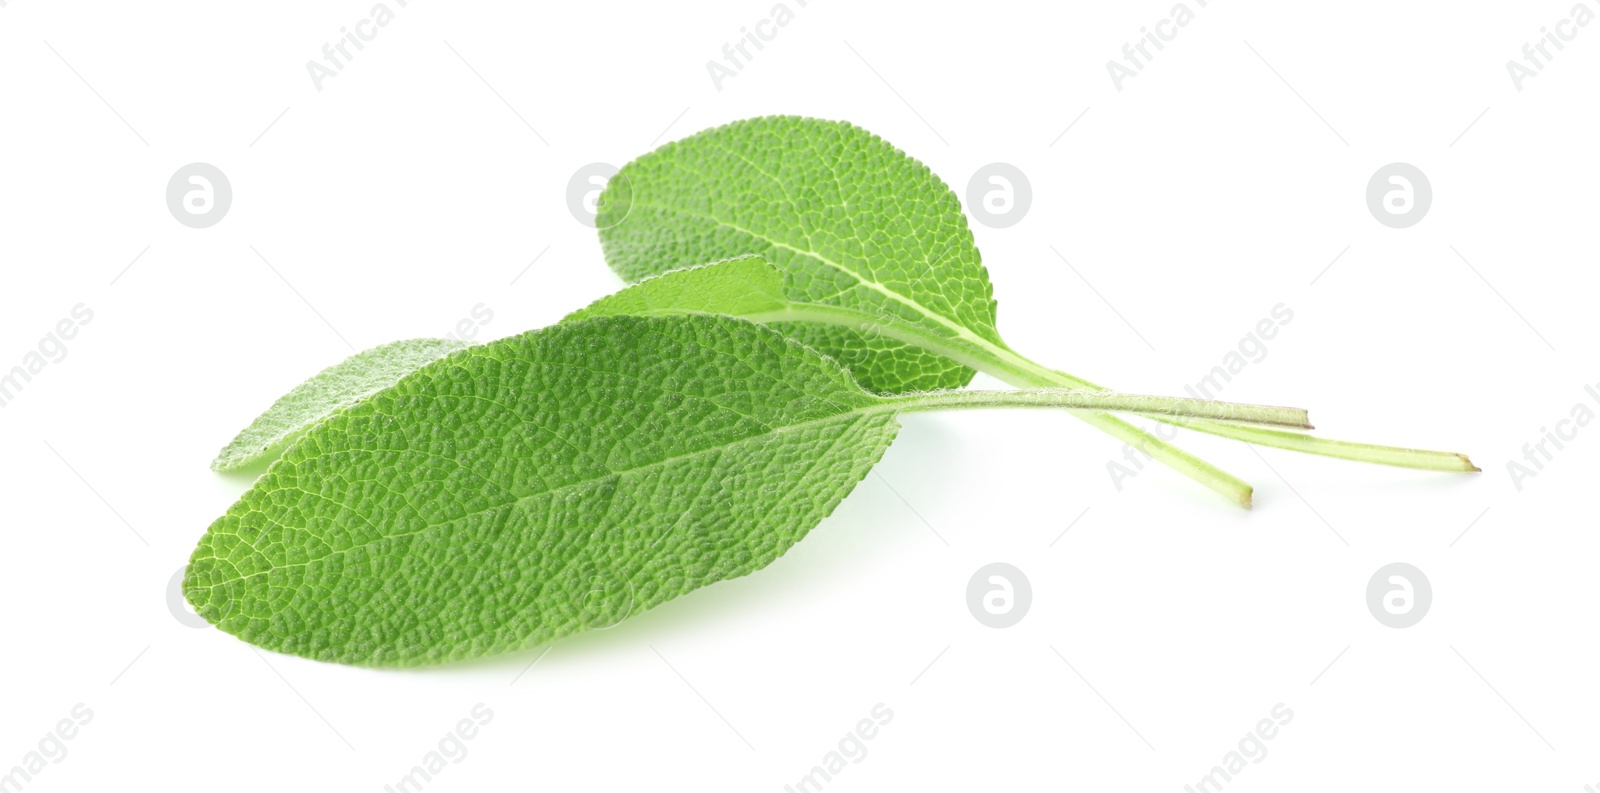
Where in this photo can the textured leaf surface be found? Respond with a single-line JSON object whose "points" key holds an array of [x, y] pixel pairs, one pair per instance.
{"points": [[855, 224], [878, 264], [745, 286], [848, 218], [337, 386], [529, 488], [742, 287]]}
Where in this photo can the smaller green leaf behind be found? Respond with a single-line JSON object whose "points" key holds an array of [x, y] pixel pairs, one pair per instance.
{"points": [[335, 387], [537, 486], [740, 286], [743, 286]]}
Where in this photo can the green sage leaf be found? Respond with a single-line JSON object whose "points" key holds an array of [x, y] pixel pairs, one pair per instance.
{"points": [[849, 219], [563, 479], [335, 387]]}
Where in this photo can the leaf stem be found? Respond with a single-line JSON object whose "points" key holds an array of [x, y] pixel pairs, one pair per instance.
{"points": [[1101, 402], [1227, 485], [1005, 364], [1397, 456]]}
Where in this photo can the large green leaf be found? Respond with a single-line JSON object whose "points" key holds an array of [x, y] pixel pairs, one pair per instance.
{"points": [[849, 219], [538, 485]]}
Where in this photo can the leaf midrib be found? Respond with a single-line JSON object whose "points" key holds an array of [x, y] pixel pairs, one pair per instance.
{"points": [[877, 286]]}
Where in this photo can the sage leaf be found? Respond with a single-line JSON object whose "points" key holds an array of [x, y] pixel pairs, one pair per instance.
{"points": [[745, 286], [335, 387], [881, 234], [864, 234], [526, 489]]}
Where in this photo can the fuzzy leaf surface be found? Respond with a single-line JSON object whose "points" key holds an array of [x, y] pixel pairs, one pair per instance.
{"points": [[535, 486], [335, 387], [848, 218], [742, 287]]}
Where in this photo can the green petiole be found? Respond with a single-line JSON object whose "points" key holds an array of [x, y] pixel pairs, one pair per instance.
{"points": [[1010, 367]]}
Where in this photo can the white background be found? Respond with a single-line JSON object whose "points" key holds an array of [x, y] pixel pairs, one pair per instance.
{"points": [[1165, 622]]}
